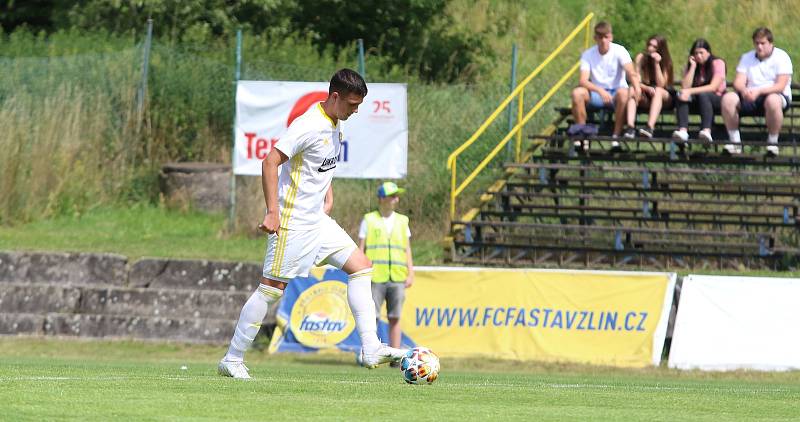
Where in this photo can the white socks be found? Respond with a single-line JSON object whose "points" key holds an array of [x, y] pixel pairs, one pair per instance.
{"points": [[772, 139], [253, 313], [359, 295], [734, 136]]}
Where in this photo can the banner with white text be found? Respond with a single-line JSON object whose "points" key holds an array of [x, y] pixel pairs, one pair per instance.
{"points": [[375, 140], [595, 317], [728, 323]]}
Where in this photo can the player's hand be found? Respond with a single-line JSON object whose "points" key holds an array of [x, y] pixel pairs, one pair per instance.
{"points": [[271, 223], [684, 96], [606, 97], [409, 280], [692, 61], [656, 57], [750, 95]]}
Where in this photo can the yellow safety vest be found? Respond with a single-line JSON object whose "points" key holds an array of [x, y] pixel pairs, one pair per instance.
{"points": [[387, 251]]}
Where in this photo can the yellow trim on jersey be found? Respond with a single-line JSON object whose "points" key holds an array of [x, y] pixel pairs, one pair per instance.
{"points": [[286, 214], [322, 110]]}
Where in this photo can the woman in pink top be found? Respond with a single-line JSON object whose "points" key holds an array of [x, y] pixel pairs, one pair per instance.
{"points": [[701, 91]]}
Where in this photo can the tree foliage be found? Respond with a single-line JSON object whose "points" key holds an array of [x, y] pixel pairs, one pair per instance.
{"points": [[417, 35]]}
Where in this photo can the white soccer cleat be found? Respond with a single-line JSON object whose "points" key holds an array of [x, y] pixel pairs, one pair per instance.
{"points": [[233, 369], [383, 354], [773, 150]]}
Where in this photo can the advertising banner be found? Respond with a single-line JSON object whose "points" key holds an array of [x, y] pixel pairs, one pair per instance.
{"points": [[314, 315], [605, 318], [727, 323], [375, 140]]}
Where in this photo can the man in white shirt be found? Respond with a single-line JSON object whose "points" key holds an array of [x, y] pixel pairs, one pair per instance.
{"points": [[604, 70], [296, 178], [763, 88]]}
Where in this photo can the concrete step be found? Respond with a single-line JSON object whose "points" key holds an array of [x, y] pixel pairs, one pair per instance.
{"points": [[191, 330], [170, 303], [64, 268]]}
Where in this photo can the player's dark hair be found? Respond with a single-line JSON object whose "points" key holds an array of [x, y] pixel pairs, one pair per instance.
{"points": [[602, 29], [761, 33], [347, 81]]}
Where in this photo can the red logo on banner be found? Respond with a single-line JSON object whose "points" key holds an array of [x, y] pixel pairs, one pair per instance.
{"points": [[302, 105]]}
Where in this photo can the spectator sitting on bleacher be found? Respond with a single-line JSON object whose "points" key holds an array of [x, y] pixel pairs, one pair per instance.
{"points": [[763, 87], [655, 71], [702, 88], [602, 84]]}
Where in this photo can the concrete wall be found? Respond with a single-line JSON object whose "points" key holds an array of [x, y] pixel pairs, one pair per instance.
{"points": [[105, 295]]}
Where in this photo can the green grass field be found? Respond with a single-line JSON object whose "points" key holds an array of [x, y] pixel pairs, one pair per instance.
{"points": [[58, 379]]}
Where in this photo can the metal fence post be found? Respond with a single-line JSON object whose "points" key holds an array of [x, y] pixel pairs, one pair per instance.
{"points": [[512, 85], [236, 77], [362, 66], [140, 97]]}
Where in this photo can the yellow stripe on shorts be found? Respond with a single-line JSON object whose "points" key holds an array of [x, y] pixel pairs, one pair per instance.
{"points": [[291, 195]]}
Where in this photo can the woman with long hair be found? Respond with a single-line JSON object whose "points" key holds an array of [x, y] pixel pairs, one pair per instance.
{"points": [[701, 91], [654, 66]]}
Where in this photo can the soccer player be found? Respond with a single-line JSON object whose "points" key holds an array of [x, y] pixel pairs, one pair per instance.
{"points": [[300, 233]]}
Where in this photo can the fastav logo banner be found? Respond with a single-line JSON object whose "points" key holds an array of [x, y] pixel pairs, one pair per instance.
{"points": [[375, 139], [314, 314]]}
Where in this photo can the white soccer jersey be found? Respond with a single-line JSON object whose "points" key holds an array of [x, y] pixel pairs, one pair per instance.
{"points": [[312, 144]]}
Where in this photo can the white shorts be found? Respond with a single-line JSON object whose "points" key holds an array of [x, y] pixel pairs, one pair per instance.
{"points": [[294, 252]]}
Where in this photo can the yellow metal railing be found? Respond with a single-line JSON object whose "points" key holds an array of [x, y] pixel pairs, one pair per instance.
{"points": [[521, 120]]}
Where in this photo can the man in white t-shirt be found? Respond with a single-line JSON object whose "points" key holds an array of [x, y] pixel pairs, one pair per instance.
{"points": [[763, 87], [296, 178], [604, 70]]}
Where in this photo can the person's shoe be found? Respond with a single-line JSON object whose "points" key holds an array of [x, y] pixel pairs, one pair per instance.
{"points": [[705, 135], [630, 133], [646, 132], [615, 147], [680, 135], [730, 149], [233, 369], [773, 150], [383, 354], [394, 364]]}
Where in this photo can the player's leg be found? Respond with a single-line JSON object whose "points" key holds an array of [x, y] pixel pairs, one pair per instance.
{"points": [[339, 250], [288, 255], [620, 101]]}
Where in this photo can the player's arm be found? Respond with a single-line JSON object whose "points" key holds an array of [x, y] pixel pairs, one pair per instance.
{"points": [[269, 184], [328, 205], [362, 235], [410, 265], [740, 82], [633, 78]]}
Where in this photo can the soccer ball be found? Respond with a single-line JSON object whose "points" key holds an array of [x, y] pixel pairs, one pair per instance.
{"points": [[420, 366]]}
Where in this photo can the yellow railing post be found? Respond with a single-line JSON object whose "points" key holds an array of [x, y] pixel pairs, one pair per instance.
{"points": [[520, 112], [517, 130]]}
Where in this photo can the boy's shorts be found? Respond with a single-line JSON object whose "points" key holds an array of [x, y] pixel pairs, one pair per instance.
{"points": [[393, 293], [293, 253]]}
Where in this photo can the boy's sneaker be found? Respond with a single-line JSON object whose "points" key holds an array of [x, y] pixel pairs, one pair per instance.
{"points": [[647, 132], [730, 149], [233, 369], [616, 147], [383, 354], [680, 135], [705, 135], [772, 150], [630, 133]]}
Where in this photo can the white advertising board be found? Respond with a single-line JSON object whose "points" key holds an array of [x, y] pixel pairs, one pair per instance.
{"points": [[375, 139], [727, 323]]}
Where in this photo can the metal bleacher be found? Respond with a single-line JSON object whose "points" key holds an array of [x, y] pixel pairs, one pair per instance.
{"points": [[656, 204]]}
